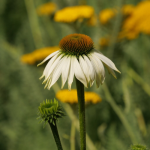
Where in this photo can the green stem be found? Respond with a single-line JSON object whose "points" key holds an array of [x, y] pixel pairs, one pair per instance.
{"points": [[56, 135], [81, 107]]}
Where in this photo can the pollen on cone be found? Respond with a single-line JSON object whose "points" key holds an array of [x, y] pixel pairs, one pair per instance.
{"points": [[76, 44]]}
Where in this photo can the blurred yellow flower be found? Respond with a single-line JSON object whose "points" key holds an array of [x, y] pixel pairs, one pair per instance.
{"points": [[38, 55], [106, 15], [137, 22], [67, 96], [103, 42], [73, 13], [127, 9], [28, 59], [129, 35], [46, 9]]}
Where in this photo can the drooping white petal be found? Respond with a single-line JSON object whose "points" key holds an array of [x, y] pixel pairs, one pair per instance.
{"points": [[48, 82], [97, 76], [65, 70], [52, 67], [49, 64], [92, 73], [48, 57], [57, 72], [111, 71], [99, 68], [71, 72], [79, 73], [107, 61], [84, 67]]}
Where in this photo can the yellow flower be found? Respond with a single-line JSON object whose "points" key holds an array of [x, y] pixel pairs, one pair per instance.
{"points": [[46, 9], [106, 15], [27, 58], [144, 26], [38, 55], [73, 13], [67, 96], [138, 21], [127, 9], [129, 35]]}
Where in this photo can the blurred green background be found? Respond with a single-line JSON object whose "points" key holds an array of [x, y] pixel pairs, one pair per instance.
{"points": [[123, 116]]}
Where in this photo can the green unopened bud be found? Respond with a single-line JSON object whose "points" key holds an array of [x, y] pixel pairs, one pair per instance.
{"points": [[50, 111], [138, 147]]}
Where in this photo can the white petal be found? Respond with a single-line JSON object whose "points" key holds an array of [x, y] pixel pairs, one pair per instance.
{"points": [[52, 67], [107, 61], [78, 72], [92, 73], [97, 76], [65, 70], [48, 82], [85, 68], [57, 72], [71, 73], [48, 57], [49, 64], [99, 68]]}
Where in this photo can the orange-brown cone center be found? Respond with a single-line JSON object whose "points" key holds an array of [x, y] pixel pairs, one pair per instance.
{"points": [[76, 44]]}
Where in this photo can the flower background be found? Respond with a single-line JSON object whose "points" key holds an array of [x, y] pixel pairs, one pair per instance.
{"points": [[122, 35]]}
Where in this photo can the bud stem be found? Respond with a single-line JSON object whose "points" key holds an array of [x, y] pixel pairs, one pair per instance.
{"points": [[81, 107], [56, 135]]}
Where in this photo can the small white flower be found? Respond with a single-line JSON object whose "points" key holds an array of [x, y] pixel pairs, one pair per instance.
{"points": [[77, 57]]}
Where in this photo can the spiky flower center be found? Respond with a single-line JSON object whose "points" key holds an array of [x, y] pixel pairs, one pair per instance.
{"points": [[76, 44], [50, 111]]}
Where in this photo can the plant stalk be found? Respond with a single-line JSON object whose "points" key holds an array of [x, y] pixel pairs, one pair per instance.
{"points": [[56, 135], [81, 108]]}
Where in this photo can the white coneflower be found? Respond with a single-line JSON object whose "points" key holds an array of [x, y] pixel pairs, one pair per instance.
{"points": [[77, 57]]}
